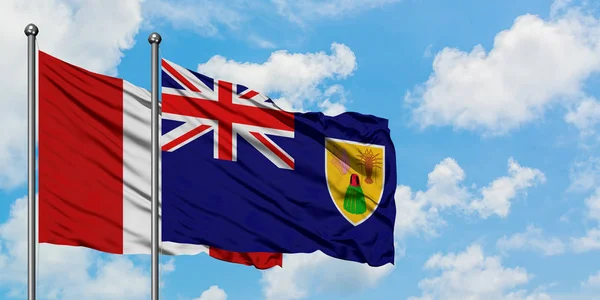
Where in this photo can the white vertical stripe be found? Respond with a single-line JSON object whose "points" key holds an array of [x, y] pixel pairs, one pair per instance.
{"points": [[136, 177]]}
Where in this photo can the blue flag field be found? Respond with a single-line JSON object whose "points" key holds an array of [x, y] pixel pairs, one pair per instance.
{"points": [[240, 174]]}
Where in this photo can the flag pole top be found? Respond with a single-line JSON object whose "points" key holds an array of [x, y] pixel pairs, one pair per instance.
{"points": [[31, 29], [154, 38]]}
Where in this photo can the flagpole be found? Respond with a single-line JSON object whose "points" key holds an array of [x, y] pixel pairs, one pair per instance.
{"points": [[154, 39], [31, 32]]}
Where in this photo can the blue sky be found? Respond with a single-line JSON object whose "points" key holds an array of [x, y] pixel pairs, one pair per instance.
{"points": [[493, 110]]}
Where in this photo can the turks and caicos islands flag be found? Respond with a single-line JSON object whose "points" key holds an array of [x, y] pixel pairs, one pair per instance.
{"points": [[240, 174], [94, 166]]}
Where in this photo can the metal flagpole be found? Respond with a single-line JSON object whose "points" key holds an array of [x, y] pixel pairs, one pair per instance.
{"points": [[154, 39], [31, 32]]}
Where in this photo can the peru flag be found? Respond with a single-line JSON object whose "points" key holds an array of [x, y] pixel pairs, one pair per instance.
{"points": [[94, 166]]}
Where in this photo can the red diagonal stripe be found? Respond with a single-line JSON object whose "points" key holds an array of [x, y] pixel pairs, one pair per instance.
{"points": [[249, 95], [275, 150], [188, 135], [179, 77]]}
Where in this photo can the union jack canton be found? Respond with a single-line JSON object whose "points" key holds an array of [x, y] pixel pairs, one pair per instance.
{"points": [[203, 104]]}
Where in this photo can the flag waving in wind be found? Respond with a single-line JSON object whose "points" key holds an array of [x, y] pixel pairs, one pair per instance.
{"points": [[240, 174], [94, 166]]}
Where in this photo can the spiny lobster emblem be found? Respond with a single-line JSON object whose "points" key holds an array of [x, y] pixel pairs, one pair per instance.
{"points": [[368, 161]]}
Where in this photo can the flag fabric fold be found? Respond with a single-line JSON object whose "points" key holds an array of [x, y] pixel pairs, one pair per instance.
{"points": [[240, 174], [94, 166]]}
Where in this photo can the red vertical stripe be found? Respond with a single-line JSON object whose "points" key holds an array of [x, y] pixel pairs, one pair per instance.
{"points": [[225, 125], [80, 157], [260, 260]]}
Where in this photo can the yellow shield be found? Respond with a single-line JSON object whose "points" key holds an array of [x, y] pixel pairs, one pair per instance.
{"points": [[355, 175]]}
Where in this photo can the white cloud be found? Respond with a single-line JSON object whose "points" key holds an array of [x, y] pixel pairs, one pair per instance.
{"points": [[532, 239], [296, 77], [66, 272], [533, 65], [208, 17], [525, 295], [331, 108], [305, 274], [589, 242], [496, 196], [414, 214], [69, 30], [559, 6], [302, 11], [472, 275], [427, 53], [167, 267], [586, 116], [592, 204], [201, 16], [585, 174], [334, 102], [420, 211], [261, 42], [592, 282], [213, 293]]}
